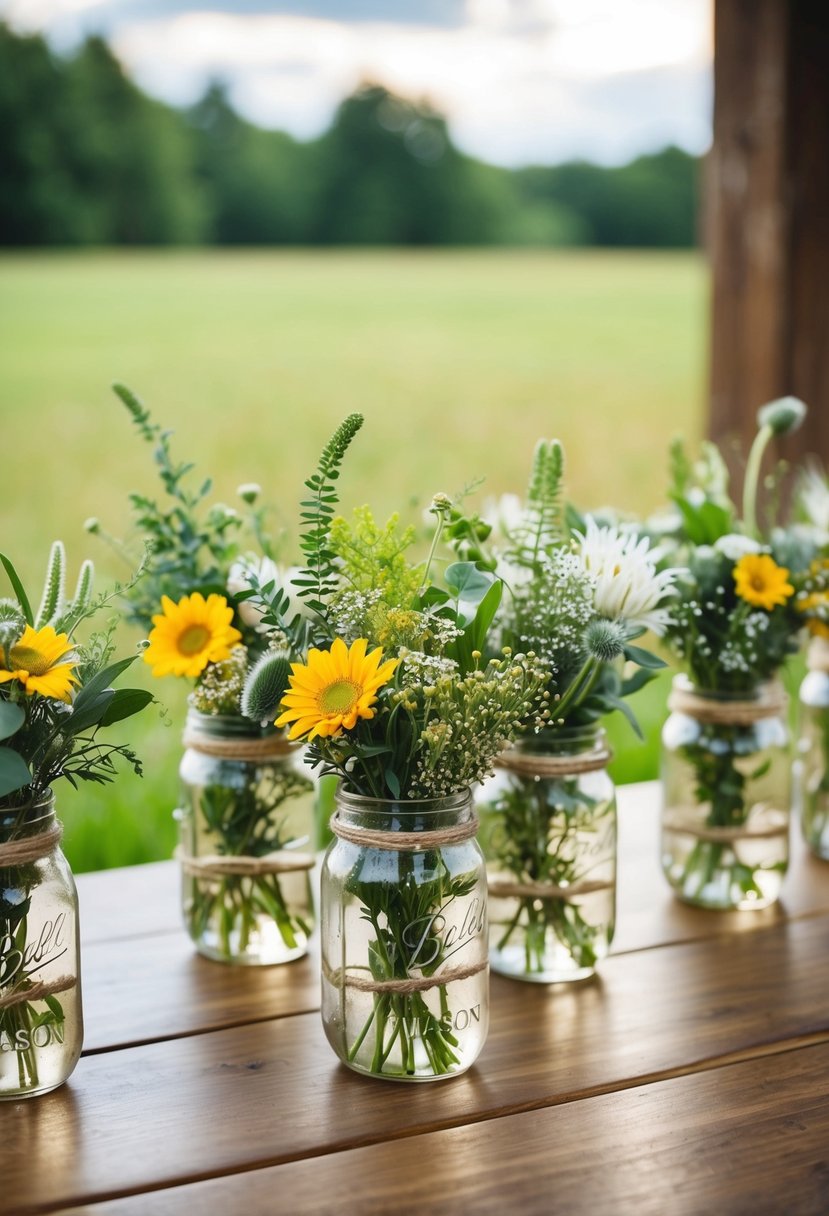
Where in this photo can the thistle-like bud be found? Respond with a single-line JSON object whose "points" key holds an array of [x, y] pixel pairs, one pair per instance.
{"points": [[249, 491], [265, 686], [441, 503], [782, 416], [604, 640], [12, 626]]}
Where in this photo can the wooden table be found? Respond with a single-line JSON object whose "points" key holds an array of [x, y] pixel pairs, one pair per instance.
{"points": [[691, 1077]]}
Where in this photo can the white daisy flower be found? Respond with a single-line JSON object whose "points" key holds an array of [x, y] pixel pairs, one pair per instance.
{"points": [[628, 587], [734, 546]]}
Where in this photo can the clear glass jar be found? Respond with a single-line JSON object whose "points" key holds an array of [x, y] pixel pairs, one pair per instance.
{"points": [[548, 830], [726, 793], [405, 984], [813, 750], [246, 831], [41, 1020]]}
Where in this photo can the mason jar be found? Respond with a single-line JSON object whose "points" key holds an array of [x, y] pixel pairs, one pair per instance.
{"points": [[548, 830], [246, 841], [813, 750], [405, 985], [726, 792], [41, 1020]]}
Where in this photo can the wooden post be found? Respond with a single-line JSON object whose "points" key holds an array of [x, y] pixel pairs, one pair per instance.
{"points": [[768, 218]]}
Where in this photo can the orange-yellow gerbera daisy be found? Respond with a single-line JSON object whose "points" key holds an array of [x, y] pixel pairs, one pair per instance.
{"points": [[761, 582], [43, 662], [190, 634], [333, 689]]}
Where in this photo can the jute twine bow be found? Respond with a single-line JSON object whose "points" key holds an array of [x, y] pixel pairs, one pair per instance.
{"points": [[818, 657], [38, 991], [421, 983], [777, 825], [266, 747], [402, 842], [504, 889], [771, 702], [30, 848], [215, 865], [543, 765]]}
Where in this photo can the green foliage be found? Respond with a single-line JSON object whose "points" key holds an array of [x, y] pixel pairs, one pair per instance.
{"points": [[542, 526], [372, 557], [191, 545], [48, 738], [319, 579], [87, 158]]}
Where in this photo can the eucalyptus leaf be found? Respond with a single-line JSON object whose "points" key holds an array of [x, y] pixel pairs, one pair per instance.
{"points": [[467, 587], [12, 718], [14, 772]]}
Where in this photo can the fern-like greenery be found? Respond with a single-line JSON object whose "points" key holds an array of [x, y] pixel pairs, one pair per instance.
{"points": [[192, 544], [543, 525], [318, 579]]}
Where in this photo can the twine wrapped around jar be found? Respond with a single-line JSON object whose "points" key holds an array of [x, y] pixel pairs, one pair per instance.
{"points": [[770, 703], [532, 764], [264, 747]]}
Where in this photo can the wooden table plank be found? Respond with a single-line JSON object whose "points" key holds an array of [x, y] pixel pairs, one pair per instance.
{"points": [[144, 900], [152, 988], [746, 1139], [256, 1095], [149, 985]]}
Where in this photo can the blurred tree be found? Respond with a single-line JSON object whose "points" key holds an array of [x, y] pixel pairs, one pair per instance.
{"points": [[391, 175], [651, 201], [86, 157], [262, 184]]}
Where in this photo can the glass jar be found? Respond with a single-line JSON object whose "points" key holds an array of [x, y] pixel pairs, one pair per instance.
{"points": [[813, 749], [246, 827], [726, 791], [405, 984], [41, 1021], [548, 829]]}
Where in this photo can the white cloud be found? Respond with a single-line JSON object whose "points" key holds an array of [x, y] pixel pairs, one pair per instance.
{"points": [[520, 80]]}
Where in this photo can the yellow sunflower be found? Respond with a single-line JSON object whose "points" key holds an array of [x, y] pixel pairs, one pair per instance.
{"points": [[43, 662], [333, 689], [761, 582], [190, 634]]}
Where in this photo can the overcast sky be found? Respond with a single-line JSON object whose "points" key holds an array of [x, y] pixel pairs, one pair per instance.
{"points": [[521, 81]]}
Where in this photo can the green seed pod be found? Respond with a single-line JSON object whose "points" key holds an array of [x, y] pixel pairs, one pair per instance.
{"points": [[265, 686], [12, 626], [83, 591], [782, 416], [54, 587]]}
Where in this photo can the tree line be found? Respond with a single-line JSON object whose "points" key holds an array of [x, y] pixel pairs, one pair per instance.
{"points": [[87, 158]]}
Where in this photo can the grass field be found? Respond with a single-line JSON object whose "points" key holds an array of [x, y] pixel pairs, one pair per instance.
{"points": [[459, 361]]}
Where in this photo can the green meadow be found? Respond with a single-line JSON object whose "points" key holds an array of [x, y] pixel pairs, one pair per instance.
{"points": [[458, 360]]}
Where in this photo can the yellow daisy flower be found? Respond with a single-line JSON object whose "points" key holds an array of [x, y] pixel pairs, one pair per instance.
{"points": [[334, 689], [761, 582], [190, 634], [43, 662]]}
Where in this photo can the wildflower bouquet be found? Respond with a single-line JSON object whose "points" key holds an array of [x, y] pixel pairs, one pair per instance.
{"points": [[579, 594], [56, 705], [394, 696], [739, 608], [247, 806]]}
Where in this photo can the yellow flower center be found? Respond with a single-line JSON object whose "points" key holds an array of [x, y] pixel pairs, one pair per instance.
{"points": [[758, 583], [193, 639], [24, 658], [340, 697]]}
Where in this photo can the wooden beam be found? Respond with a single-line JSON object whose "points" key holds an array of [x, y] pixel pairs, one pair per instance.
{"points": [[768, 230]]}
